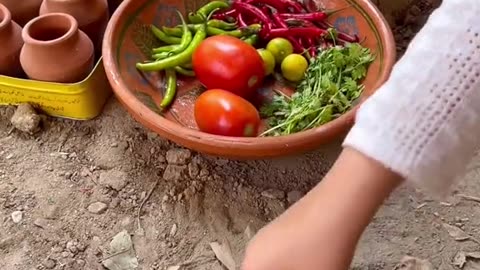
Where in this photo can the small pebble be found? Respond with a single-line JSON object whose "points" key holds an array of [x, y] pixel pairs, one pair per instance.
{"points": [[174, 229], [178, 156], [17, 216], [66, 254], [72, 247], [294, 196], [273, 194], [97, 208], [49, 264], [26, 119], [40, 222]]}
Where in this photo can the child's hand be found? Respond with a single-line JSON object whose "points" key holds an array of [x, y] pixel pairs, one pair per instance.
{"points": [[289, 243], [322, 229]]}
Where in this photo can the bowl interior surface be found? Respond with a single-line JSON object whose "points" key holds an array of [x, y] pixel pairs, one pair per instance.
{"points": [[128, 40]]}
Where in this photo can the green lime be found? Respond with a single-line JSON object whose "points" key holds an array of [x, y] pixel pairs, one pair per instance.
{"points": [[268, 61], [280, 48], [294, 67]]}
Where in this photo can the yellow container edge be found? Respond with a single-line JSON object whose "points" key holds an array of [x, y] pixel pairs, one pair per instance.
{"points": [[80, 101]]}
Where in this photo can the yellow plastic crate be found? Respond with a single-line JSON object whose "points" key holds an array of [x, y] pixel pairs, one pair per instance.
{"points": [[80, 101]]}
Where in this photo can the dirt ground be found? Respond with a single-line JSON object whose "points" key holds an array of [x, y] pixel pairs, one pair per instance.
{"points": [[66, 191]]}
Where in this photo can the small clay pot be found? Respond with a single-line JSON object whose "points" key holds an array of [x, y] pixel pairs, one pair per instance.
{"points": [[55, 50], [11, 44], [92, 16], [22, 10]]}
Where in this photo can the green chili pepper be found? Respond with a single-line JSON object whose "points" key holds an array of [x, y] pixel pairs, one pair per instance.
{"points": [[178, 32], [206, 10], [170, 89], [162, 55], [187, 65], [178, 59], [174, 31], [164, 37], [194, 18], [186, 37], [184, 71], [222, 24], [212, 31], [252, 40], [164, 48]]}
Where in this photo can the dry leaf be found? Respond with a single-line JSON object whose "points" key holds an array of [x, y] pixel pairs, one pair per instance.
{"points": [[446, 266], [460, 259], [122, 254], [412, 263], [224, 255], [474, 255], [457, 233], [472, 266]]}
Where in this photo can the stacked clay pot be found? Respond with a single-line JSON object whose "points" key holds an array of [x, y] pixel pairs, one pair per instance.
{"points": [[22, 10], [92, 16], [59, 40], [56, 50], [11, 43]]}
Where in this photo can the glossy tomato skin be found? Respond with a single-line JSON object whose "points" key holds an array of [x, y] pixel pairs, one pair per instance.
{"points": [[225, 62], [221, 112]]}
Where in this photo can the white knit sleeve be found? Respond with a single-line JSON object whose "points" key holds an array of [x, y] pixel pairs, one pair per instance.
{"points": [[424, 122]]}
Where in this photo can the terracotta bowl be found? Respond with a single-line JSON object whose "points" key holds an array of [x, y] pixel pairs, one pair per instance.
{"points": [[128, 40]]}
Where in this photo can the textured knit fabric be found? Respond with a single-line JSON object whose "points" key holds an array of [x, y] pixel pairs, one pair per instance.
{"points": [[424, 122]]}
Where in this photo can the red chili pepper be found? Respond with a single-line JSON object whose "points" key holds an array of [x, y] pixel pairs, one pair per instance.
{"points": [[241, 21], [303, 32], [224, 14], [347, 38], [299, 22], [324, 24], [340, 35], [266, 10], [280, 5], [303, 42], [325, 44], [256, 13], [297, 47], [310, 41], [311, 5], [279, 22], [312, 51], [307, 43], [314, 16]]}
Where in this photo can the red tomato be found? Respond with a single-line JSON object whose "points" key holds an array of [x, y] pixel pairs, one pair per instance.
{"points": [[225, 62], [223, 113]]}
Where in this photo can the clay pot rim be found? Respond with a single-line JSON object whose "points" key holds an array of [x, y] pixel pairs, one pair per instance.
{"points": [[7, 16], [71, 31]]}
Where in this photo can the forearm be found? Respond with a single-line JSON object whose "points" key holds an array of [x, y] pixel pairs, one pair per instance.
{"points": [[342, 205]]}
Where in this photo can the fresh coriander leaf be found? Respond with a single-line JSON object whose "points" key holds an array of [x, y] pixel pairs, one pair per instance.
{"points": [[331, 85]]}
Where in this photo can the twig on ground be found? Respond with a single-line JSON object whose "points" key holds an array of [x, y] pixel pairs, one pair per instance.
{"points": [[115, 254], [469, 198], [139, 223]]}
